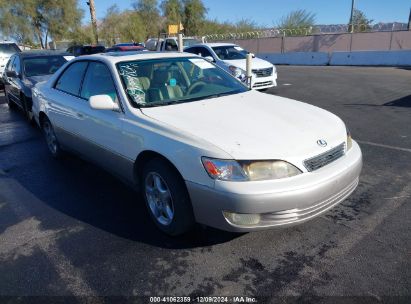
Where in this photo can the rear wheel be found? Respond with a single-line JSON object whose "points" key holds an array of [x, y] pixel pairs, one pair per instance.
{"points": [[51, 139], [166, 198]]}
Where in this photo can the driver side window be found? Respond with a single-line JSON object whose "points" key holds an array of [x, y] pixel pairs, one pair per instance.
{"points": [[98, 81]]}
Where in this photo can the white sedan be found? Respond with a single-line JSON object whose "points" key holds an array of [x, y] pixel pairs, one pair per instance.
{"points": [[199, 145], [232, 58]]}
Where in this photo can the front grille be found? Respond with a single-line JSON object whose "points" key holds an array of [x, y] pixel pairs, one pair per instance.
{"points": [[262, 84], [263, 72], [324, 159]]}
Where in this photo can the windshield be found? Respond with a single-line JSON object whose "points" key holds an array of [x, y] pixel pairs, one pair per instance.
{"points": [[9, 48], [44, 65], [175, 80], [190, 41], [231, 52]]}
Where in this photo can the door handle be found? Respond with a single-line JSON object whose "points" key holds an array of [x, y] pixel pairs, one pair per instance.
{"points": [[80, 115]]}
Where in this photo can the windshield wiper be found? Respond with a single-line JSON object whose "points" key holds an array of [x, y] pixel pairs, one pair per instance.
{"points": [[158, 104]]}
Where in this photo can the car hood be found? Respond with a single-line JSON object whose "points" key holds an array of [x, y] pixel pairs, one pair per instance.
{"points": [[255, 125], [33, 80], [256, 63]]}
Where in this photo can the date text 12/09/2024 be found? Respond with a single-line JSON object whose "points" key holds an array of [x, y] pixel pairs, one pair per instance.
{"points": [[235, 299]]}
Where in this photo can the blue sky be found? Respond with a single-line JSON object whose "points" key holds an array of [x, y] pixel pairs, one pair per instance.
{"points": [[268, 12]]}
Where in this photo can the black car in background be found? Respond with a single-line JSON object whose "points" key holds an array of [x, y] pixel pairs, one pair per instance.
{"points": [[26, 69], [80, 50]]}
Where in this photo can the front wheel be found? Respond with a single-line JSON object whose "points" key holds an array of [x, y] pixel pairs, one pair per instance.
{"points": [[51, 139], [167, 198], [28, 113]]}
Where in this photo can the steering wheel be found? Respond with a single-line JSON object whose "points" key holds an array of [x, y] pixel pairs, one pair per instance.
{"points": [[196, 85]]}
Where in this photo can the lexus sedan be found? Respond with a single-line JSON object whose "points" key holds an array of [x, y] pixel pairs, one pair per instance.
{"points": [[232, 58], [24, 70], [197, 143]]}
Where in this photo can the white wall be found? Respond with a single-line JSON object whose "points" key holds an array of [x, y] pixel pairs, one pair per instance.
{"points": [[362, 58]]}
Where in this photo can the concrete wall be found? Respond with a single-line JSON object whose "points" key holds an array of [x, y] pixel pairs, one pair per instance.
{"points": [[372, 58], [373, 41], [363, 58], [297, 58]]}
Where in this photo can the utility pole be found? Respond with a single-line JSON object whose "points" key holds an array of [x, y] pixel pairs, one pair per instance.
{"points": [[352, 16], [409, 21], [90, 3]]}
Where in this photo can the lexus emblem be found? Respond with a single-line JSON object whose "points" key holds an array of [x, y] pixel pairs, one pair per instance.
{"points": [[322, 143]]}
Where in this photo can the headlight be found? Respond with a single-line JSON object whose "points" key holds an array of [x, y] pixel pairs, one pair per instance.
{"points": [[228, 170], [231, 170], [349, 140], [237, 72]]}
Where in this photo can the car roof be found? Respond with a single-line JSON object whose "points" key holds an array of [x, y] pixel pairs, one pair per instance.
{"points": [[40, 53], [115, 57]]}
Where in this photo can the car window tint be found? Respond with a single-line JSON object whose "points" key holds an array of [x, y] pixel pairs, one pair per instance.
{"points": [[171, 45], [204, 52], [192, 50], [10, 63], [98, 81], [70, 80], [9, 48], [44, 65], [16, 65]]}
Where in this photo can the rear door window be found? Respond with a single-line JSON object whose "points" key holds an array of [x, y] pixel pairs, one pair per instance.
{"points": [[70, 81]]}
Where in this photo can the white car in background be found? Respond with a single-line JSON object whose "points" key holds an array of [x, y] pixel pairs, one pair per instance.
{"points": [[199, 145], [232, 58], [7, 49]]}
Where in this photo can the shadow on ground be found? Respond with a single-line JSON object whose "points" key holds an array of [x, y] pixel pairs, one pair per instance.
{"points": [[404, 102]]}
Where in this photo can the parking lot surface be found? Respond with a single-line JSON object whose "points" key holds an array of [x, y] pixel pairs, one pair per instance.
{"points": [[69, 228]]}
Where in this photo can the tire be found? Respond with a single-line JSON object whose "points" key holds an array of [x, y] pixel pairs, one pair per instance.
{"points": [[51, 139], [166, 198], [28, 114]]}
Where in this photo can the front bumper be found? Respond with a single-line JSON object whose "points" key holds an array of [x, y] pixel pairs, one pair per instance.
{"points": [[262, 83], [282, 202]]}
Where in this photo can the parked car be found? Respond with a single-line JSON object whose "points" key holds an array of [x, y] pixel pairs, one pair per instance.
{"points": [[199, 144], [128, 48], [169, 44], [232, 58], [130, 44], [81, 50], [26, 69], [7, 49]]}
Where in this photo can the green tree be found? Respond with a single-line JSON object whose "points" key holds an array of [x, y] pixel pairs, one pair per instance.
{"points": [[150, 16], [38, 20], [246, 25], [124, 26], [299, 22], [194, 16], [173, 11], [360, 21]]}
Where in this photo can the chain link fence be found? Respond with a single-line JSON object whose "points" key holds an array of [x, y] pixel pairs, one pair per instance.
{"points": [[315, 30]]}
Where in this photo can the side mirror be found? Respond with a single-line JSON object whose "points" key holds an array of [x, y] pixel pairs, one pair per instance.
{"points": [[209, 58], [11, 74], [103, 102]]}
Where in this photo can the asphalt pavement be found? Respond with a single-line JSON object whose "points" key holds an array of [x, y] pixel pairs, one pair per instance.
{"points": [[68, 228]]}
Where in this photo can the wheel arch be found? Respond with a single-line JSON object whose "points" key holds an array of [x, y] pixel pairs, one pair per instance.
{"points": [[42, 117], [143, 158]]}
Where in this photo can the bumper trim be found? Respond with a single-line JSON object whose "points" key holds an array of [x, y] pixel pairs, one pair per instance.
{"points": [[294, 216]]}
